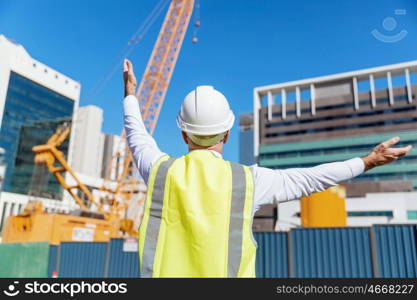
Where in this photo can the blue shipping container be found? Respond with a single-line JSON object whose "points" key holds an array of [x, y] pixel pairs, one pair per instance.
{"points": [[121, 263], [52, 265], [271, 255], [82, 259], [395, 250], [389, 251], [330, 252]]}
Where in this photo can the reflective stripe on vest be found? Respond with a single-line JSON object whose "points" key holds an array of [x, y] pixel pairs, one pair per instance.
{"points": [[236, 219], [155, 216], [167, 207]]}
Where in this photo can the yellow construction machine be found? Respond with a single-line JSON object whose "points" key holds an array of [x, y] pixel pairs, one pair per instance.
{"points": [[91, 223]]}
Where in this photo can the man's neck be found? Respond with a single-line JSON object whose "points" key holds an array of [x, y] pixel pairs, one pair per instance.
{"points": [[215, 153], [216, 148]]}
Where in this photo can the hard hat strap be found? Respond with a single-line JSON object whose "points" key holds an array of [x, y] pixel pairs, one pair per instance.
{"points": [[206, 140]]}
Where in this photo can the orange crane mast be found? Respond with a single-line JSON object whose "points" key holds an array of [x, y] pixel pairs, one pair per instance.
{"points": [[151, 92], [158, 73]]}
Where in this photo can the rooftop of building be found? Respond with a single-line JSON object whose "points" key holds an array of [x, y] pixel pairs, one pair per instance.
{"points": [[362, 74], [17, 59]]}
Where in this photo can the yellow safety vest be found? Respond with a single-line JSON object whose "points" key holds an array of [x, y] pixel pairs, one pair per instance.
{"points": [[198, 219]]}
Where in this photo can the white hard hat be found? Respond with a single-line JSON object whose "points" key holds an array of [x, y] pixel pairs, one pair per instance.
{"points": [[205, 111]]}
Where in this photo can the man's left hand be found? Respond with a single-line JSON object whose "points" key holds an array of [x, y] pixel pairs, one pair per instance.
{"points": [[384, 154]]}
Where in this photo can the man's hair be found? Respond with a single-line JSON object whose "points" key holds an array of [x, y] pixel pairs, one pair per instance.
{"points": [[206, 140]]}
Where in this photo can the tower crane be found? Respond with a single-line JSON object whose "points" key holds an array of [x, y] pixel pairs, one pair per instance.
{"points": [[158, 72], [151, 94]]}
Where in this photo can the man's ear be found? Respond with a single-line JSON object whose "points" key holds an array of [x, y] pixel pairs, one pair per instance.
{"points": [[226, 137], [184, 137]]}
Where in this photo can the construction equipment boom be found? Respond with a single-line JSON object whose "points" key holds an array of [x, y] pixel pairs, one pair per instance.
{"points": [[151, 94]]}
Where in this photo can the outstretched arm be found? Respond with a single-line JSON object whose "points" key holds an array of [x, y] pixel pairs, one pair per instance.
{"points": [[144, 149], [289, 184]]}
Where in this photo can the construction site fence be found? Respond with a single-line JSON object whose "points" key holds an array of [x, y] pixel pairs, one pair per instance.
{"points": [[381, 251]]}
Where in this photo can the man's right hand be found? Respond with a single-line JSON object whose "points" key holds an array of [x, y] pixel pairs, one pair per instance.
{"points": [[129, 78]]}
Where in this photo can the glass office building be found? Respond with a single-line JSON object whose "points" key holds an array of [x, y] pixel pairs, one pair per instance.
{"points": [[27, 103], [28, 178]]}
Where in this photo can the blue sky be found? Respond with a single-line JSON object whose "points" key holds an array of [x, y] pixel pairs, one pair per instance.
{"points": [[242, 44]]}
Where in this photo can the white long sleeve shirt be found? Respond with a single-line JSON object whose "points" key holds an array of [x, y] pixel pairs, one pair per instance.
{"points": [[270, 186]]}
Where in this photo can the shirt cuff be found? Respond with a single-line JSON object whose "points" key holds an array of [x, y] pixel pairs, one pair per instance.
{"points": [[356, 166], [129, 98], [131, 106]]}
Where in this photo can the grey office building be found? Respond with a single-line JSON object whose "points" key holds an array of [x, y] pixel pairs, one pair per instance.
{"points": [[331, 118]]}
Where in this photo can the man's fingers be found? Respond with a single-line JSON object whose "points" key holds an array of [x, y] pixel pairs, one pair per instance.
{"points": [[391, 142], [125, 66], [129, 66], [399, 151]]}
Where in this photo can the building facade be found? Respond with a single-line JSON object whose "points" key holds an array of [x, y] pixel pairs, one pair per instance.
{"points": [[30, 92], [87, 156], [246, 156], [372, 208], [338, 117], [113, 144], [28, 178]]}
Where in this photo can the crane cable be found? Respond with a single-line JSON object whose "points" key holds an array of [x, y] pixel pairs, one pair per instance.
{"points": [[134, 40], [197, 22]]}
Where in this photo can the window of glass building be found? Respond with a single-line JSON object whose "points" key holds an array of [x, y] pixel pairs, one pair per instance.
{"points": [[412, 214], [35, 180], [27, 102], [370, 214]]}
